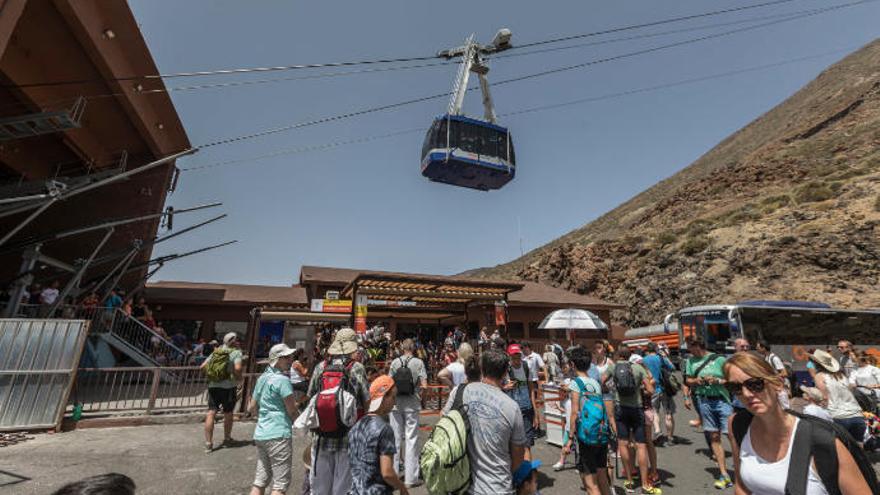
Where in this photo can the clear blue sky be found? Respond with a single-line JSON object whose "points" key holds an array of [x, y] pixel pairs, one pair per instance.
{"points": [[367, 205]]}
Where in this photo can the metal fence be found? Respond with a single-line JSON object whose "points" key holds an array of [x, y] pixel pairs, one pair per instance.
{"points": [[38, 359], [142, 390]]}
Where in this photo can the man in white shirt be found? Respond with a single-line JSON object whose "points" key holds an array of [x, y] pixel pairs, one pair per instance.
{"points": [[50, 294], [536, 362]]}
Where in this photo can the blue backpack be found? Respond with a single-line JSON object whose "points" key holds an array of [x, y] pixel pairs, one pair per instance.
{"points": [[592, 424]]}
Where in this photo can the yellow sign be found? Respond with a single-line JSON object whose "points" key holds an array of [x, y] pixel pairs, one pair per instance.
{"points": [[331, 305]]}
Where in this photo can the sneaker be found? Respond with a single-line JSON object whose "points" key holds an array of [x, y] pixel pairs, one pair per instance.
{"points": [[629, 486], [723, 482], [228, 442], [415, 484], [652, 490], [654, 478], [559, 466], [209, 447]]}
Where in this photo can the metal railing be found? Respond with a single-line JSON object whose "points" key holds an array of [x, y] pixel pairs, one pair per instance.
{"points": [[142, 390], [137, 336]]}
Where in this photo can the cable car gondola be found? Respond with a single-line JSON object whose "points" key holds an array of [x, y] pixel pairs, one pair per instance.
{"points": [[467, 152], [464, 151]]}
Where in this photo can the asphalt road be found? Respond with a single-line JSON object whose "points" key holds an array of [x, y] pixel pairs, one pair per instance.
{"points": [[170, 459]]}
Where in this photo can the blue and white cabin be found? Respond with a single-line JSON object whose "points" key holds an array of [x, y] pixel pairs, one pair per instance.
{"points": [[467, 152]]}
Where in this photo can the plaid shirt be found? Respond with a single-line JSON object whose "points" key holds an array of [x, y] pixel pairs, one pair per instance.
{"points": [[358, 375]]}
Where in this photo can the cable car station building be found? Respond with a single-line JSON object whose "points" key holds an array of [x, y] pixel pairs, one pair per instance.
{"points": [[405, 304]]}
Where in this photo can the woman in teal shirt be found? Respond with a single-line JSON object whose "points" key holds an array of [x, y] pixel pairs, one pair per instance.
{"points": [[274, 401]]}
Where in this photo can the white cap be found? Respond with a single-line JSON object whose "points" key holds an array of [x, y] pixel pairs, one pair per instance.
{"points": [[635, 358], [229, 337], [279, 351]]}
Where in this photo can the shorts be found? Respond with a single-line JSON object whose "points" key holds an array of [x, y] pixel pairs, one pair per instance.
{"points": [[528, 416], [854, 426], [630, 423], [664, 401], [591, 458], [715, 411], [274, 463], [224, 398]]}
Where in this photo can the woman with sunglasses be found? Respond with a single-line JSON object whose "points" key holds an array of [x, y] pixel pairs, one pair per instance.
{"points": [[764, 455]]}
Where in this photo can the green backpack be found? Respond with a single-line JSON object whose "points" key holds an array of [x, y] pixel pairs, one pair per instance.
{"points": [[217, 368], [444, 460]]}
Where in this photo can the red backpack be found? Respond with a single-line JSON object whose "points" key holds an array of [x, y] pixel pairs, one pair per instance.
{"points": [[337, 403]]}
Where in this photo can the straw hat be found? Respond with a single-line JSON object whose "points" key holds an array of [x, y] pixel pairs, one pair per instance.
{"points": [[825, 360], [344, 343]]}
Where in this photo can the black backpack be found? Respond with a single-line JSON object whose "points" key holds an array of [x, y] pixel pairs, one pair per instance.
{"points": [[403, 378], [624, 379], [814, 440]]}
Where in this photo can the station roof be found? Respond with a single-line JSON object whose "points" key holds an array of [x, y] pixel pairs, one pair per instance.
{"points": [[177, 291], [522, 293]]}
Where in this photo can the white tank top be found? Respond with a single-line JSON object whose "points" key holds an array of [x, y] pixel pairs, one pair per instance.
{"points": [[768, 478], [841, 402]]}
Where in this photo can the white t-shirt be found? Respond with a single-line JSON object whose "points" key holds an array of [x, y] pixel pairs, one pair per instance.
{"points": [[535, 364], [456, 370], [865, 376], [769, 478], [49, 295]]}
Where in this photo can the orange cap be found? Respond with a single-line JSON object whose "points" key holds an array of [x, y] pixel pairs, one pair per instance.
{"points": [[378, 389]]}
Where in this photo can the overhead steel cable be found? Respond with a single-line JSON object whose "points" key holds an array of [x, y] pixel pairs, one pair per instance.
{"points": [[535, 75], [690, 41], [591, 99], [650, 35], [652, 24], [232, 84], [246, 70]]}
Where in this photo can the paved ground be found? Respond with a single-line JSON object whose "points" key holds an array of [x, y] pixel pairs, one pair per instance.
{"points": [[170, 459]]}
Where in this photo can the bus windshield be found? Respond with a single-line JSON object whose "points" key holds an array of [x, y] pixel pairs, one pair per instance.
{"points": [[713, 326]]}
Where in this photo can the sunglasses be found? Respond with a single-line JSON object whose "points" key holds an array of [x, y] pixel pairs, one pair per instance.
{"points": [[755, 386]]}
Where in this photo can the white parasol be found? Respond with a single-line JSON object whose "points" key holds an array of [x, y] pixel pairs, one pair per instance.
{"points": [[572, 319]]}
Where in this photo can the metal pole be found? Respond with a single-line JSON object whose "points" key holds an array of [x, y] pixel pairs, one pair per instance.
{"points": [[174, 257], [122, 271], [140, 286], [188, 229], [488, 107], [109, 180], [111, 223], [74, 281], [27, 220], [124, 260]]}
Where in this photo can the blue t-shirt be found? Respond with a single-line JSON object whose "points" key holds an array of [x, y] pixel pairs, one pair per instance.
{"points": [[271, 389], [370, 438], [654, 363]]}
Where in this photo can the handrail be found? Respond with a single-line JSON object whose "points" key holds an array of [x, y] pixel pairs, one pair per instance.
{"points": [[150, 330], [143, 338]]}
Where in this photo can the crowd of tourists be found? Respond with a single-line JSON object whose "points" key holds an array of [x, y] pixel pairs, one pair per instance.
{"points": [[362, 422]]}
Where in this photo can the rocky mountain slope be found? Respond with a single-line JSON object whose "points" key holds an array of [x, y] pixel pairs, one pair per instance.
{"points": [[786, 208]]}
